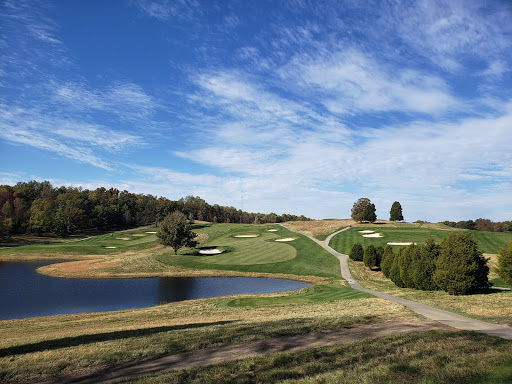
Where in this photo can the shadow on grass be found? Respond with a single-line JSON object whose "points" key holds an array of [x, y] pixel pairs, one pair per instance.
{"points": [[99, 337]]}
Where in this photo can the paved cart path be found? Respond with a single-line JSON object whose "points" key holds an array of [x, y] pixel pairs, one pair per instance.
{"points": [[446, 317]]}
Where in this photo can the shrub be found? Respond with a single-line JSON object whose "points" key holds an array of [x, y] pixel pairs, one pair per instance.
{"points": [[424, 266], [357, 252], [387, 260], [394, 272], [505, 264], [380, 253], [460, 267], [370, 256], [405, 262]]}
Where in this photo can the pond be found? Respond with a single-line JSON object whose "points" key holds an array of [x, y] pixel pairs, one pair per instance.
{"points": [[24, 293]]}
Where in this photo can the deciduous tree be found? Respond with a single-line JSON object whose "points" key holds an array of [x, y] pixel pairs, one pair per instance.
{"points": [[358, 208], [176, 232]]}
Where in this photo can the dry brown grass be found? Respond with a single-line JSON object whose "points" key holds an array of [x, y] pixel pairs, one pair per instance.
{"points": [[66, 342], [494, 307]]}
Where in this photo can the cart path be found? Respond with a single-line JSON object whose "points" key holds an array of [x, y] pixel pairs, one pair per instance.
{"points": [[446, 317], [132, 369]]}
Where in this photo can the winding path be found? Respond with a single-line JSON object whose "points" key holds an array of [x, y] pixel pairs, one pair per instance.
{"points": [[445, 317]]}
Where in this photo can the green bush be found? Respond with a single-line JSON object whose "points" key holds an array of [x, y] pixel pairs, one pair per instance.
{"points": [[460, 267], [394, 272], [380, 253], [505, 264], [387, 260], [405, 261], [424, 266], [357, 252], [370, 256]]}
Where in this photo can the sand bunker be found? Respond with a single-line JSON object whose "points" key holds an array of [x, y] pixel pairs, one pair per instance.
{"points": [[111, 247], [366, 231], [286, 239], [213, 251], [272, 230], [374, 235], [122, 238], [400, 243], [138, 234], [150, 232], [246, 236]]}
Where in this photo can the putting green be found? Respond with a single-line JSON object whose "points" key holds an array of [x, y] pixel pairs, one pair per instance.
{"points": [[251, 250]]}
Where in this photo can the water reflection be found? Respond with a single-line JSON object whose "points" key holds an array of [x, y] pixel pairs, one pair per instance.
{"points": [[24, 293]]}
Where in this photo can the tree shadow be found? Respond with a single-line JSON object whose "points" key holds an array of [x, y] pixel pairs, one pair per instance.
{"points": [[99, 337]]}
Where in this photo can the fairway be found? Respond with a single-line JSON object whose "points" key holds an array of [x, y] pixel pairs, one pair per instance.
{"points": [[488, 242]]}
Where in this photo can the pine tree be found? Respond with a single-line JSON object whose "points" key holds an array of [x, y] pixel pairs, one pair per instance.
{"points": [[505, 264], [396, 212], [387, 260], [370, 256], [460, 267], [357, 252]]}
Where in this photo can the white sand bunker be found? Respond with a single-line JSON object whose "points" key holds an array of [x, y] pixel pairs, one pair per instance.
{"points": [[111, 247], [122, 238], [150, 232], [138, 234], [272, 230], [374, 235], [366, 231], [410, 243], [213, 251], [246, 236], [286, 239]]}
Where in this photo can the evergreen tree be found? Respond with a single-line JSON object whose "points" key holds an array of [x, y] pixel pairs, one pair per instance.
{"points": [[175, 231], [394, 272], [424, 266], [396, 212], [357, 252], [387, 260], [370, 256], [405, 261], [380, 254], [460, 267], [505, 264], [369, 213]]}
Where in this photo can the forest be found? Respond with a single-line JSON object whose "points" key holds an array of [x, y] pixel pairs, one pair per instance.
{"points": [[38, 207]]}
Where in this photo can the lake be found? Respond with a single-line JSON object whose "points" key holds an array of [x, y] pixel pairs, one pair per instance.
{"points": [[24, 293]]}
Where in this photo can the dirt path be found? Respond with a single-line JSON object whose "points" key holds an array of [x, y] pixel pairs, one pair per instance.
{"points": [[448, 318], [230, 353]]}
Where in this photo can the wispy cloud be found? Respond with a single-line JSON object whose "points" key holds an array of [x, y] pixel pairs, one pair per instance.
{"points": [[169, 9]]}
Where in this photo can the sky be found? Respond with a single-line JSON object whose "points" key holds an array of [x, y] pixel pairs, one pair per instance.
{"points": [[299, 106]]}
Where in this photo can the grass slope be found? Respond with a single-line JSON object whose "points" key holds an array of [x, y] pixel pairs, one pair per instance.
{"points": [[261, 254], [488, 242]]}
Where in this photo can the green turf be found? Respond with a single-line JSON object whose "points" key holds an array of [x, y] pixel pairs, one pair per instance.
{"points": [[488, 242], [95, 245], [498, 282], [268, 256], [311, 294]]}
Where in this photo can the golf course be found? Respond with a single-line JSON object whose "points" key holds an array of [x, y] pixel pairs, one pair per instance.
{"points": [[325, 332]]}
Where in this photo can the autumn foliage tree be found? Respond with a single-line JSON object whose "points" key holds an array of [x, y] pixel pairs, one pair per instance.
{"points": [[176, 232], [363, 210]]}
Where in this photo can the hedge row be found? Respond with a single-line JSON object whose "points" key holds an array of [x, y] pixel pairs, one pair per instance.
{"points": [[455, 266]]}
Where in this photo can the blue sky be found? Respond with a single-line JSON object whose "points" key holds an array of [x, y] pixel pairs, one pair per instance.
{"points": [[304, 105]]}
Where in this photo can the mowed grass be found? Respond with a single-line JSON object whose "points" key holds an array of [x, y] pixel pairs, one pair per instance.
{"points": [[432, 357], [95, 245], [488, 242], [261, 254]]}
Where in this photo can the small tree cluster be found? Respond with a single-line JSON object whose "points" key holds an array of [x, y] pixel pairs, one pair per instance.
{"points": [[455, 266], [505, 264]]}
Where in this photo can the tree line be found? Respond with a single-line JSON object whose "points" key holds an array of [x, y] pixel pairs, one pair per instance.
{"points": [[455, 265], [481, 225], [38, 207]]}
